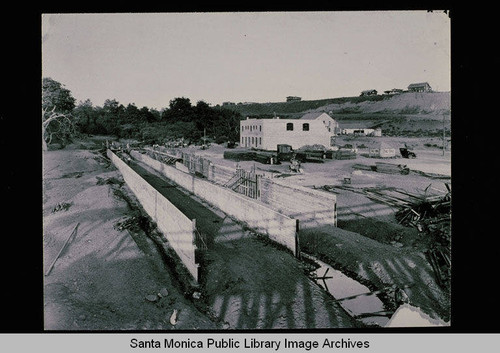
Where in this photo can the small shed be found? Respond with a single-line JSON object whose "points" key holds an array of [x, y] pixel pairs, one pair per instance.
{"points": [[383, 150]]}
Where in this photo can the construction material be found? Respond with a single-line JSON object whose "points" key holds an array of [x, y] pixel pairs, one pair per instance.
{"points": [[62, 249], [430, 214], [344, 154], [390, 168], [251, 155], [364, 167]]}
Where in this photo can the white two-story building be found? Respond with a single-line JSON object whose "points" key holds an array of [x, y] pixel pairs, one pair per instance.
{"points": [[266, 134]]}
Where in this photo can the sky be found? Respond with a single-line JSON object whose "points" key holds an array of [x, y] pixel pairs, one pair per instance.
{"points": [[148, 59]]}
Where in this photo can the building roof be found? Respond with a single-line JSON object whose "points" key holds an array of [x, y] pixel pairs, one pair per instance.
{"points": [[313, 115], [369, 90]]}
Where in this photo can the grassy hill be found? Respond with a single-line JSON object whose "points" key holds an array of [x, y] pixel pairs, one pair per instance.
{"points": [[409, 113]]}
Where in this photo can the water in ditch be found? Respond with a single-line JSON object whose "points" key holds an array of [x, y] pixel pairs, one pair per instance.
{"points": [[354, 297]]}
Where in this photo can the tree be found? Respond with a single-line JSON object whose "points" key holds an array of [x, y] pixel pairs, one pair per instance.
{"points": [[149, 115], [85, 116], [180, 109], [57, 106], [55, 97], [58, 125]]}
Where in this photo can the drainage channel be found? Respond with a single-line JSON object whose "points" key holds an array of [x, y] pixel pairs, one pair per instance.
{"points": [[355, 298]]}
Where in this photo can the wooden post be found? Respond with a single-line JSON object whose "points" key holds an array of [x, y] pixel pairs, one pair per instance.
{"points": [[443, 135], [297, 241]]}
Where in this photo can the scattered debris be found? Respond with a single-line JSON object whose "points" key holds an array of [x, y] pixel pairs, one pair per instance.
{"points": [[430, 214], [400, 296], [163, 292], [151, 298], [129, 223], [173, 318], [62, 206], [112, 180]]}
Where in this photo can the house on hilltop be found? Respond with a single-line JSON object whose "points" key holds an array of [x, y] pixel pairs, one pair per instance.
{"points": [[368, 92], [420, 87], [293, 99], [393, 91], [266, 134]]}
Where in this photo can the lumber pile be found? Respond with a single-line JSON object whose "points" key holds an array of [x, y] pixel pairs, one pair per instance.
{"points": [[432, 216], [364, 167], [249, 155], [344, 154], [390, 168], [382, 167]]}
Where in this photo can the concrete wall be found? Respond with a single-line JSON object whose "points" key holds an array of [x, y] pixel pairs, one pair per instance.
{"points": [[220, 174], [259, 217], [177, 228], [311, 207]]}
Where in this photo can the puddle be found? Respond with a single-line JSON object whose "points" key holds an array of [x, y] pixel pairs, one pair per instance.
{"points": [[354, 297]]}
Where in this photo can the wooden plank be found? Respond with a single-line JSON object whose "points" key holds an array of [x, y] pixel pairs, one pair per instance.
{"points": [[62, 249]]}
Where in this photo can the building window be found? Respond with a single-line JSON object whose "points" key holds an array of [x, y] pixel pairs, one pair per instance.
{"points": [[242, 140], [305, 127], [260, 141], [252, 141], [289, 127]]}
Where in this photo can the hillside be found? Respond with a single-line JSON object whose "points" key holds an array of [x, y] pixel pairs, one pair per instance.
{"points": [[409, 114], [405, 103]]}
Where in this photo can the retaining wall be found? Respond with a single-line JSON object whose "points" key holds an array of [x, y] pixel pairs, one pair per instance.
{"points": [[278, 227], [311, 207], [177, 228]]}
